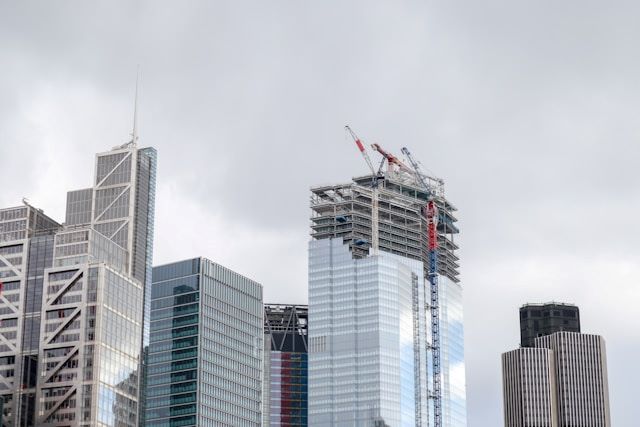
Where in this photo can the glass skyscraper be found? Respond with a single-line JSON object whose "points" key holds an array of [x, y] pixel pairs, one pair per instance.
{"points": [[205, 354], [26, 250], [84, 314], [454, 395]]}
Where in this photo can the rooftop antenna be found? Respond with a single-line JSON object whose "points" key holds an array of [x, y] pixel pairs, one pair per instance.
{"points": [[134, 134]]}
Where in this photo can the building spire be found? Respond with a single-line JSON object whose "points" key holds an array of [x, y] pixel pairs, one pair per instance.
{"points": [[134, 133]]}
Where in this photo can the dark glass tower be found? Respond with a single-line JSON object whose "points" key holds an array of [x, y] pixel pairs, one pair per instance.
{"points": [[538, 320], [285, 365], [205, 353]]}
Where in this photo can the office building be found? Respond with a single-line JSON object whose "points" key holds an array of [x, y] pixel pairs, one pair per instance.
{"points": [[93, 299], [582, 383], [537, 320], [529, 387], [381, 348], [285, 365], [560, 381], [205, 353], [26, 250], [85, 305]]}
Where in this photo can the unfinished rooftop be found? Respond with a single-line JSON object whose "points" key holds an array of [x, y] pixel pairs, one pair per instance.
{"points": [[345, 211]]}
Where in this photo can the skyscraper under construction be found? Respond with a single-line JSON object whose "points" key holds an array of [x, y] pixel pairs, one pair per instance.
{"points": [[385, 301]]}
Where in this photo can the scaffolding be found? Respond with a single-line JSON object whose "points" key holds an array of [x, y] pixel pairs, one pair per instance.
{"points": [[345, 211]]}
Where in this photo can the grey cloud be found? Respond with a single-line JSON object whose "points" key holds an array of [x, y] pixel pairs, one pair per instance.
{"points": [[527, 109]]}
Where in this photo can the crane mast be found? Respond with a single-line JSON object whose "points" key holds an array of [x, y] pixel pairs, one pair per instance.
{"points": [[431, 214], [432, 230]]}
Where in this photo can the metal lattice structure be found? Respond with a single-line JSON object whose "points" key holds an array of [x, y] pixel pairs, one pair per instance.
{"points": [[432, 220], [431, 214], [26, 246], [284, 322]]}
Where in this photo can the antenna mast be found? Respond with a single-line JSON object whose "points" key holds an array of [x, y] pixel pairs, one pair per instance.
{"points": [[134, 134]]}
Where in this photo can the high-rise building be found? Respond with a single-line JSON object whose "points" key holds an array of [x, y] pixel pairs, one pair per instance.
{"points": [[26, 250], [560, 381], [93, 299], [582, 383], [371, 323], [537, 320], [529, 384], [85, 305], [205, 354], [285, 365]]}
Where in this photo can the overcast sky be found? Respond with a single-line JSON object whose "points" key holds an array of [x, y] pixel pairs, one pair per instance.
{"points": [[528, 109]]}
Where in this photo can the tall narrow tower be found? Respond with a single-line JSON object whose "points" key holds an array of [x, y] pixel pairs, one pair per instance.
{"points": [[284, 396], [94, 313]]}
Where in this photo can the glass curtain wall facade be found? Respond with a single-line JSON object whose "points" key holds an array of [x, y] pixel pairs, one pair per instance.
{"points": [[205, 352], [454, 398], [26, 250], [80, 303], [92, 337], [365, 366], [172, 364], [285, 385]]}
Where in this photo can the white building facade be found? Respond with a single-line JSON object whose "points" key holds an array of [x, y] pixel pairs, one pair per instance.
{"points": [[582, 383], [529, 388], [562, 381]]}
